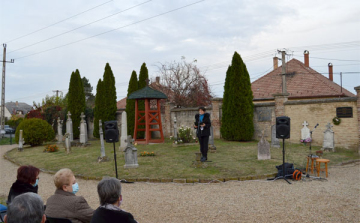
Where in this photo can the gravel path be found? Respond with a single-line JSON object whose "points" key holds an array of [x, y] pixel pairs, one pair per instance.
{"points": [[335, 200]]}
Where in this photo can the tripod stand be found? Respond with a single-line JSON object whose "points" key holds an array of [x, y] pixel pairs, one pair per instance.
{"points": [[311, 156], [283, 166]]}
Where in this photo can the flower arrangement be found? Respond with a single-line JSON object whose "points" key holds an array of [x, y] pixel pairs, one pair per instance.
{"points": [[51, 148], [305, 140], [147, 153], [336, 121], [184, 136]]}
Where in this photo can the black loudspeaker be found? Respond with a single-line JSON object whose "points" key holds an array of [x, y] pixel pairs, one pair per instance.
{"points": [[111, 131], [283, 127]]}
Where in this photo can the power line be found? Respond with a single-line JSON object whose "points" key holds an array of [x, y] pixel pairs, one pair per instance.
{"points": [[321, 58], [58, 22], [158, 15], [69, 31]]}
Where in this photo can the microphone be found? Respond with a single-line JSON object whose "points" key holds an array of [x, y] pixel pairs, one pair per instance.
{"points": [[317, 125]]}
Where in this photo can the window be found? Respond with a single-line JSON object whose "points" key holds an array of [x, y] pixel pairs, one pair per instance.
{"points": [[344, 112]]}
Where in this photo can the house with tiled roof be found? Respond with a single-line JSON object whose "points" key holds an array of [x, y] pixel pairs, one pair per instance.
{"points": [[302, 82]]}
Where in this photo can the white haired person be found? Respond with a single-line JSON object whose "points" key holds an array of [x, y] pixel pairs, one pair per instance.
{"points": [[64, 203], [26, 208], [109, 190], [202, 125]]}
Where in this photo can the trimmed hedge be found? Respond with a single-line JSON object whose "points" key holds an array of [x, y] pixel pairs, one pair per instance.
{"points": [[35, 131]]}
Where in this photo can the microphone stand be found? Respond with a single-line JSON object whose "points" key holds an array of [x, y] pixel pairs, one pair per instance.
{"points": [[311, 155]]}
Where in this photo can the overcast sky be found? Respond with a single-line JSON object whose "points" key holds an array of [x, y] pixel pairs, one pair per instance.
{"points": [[208, 31]]}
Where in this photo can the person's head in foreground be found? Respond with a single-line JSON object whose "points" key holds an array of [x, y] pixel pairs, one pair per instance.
{"points": [[26, 208], [109, 190], [28, 174], [65, 180]]}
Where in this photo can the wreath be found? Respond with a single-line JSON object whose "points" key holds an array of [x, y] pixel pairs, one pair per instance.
{"points": [[336, 121]]}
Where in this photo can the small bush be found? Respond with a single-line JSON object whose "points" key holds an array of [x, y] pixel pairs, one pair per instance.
{"points": [[51, 148], [35, 131]]}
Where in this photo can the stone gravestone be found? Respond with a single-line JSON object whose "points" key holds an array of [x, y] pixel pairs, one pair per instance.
{"points": [[175, 129], [21, 141], [305, 131], [86, 132], [102, 157], [69, 126], [82, 129], [274, 141], [212, 146], [263, 148], [123, 130], [59, 130], [328, 143], [67, 143], [130, 154]]}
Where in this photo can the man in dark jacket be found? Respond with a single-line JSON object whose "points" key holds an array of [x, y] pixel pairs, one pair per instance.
{"points": [[202, 125]]}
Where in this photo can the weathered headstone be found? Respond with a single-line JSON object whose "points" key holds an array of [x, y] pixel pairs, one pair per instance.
{"points": [[263, 148], [67, 143], [86, 132], [21, 141], [328, 143], [59, 130], [274, 141], [82, 129], [123, 130], [305, 131], [175, 129], [212, 146], [102, 150], [130, 154], [69, 126]]}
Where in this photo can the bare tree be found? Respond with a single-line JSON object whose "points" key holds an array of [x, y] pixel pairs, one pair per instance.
{"points": [[184, 84]]}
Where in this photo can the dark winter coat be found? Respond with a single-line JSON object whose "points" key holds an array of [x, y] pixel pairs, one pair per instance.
{"points": [[18, 188], [206, 121], [111, 216]]}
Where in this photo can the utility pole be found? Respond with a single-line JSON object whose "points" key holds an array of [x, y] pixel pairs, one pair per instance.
{"points": [[3, 87], [57, 92]]}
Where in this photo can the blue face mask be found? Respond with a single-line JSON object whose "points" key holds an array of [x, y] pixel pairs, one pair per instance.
{"points": [[75, 188], [36, 183]]}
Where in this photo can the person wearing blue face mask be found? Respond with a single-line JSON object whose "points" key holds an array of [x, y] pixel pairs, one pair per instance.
{"points": [[64, 203], [27, 180]]}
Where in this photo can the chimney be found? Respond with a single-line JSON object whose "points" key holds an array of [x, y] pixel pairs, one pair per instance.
{"points": [[330, 71], [306, 58], [157, 80], [17, 104], [275, 62]]}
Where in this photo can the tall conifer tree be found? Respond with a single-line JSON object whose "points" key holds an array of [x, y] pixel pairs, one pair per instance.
{"points": [[99, 108], [130, 104], [109, 97], [238, 108], [143, 76], [76, 100]]}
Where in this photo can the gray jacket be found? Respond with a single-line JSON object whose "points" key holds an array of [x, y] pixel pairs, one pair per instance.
{"points": [[66, 205]]}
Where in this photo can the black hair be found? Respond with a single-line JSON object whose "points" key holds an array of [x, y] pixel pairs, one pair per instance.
{"points": [[202, 108]]}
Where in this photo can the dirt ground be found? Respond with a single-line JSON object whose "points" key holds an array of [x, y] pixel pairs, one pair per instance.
{"points": [[336, 199]]}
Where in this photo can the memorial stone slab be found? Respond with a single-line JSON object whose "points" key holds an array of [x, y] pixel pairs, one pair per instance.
{"points": [[175, 129], [67, 143], [305, 131], [123, 130], [130, 154], [263, 149], [102, 150], [263, 114], [82, 129], [69, 126], [328, 143], [274, 141], [59, 130], [212, 146], [21, 141]]}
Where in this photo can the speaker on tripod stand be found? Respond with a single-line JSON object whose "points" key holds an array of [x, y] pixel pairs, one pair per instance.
{"points": [[112, 136], [283, 132]]}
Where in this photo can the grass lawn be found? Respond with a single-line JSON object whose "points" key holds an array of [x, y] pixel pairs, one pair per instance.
{"points": [[6, 141], [232, 159]]}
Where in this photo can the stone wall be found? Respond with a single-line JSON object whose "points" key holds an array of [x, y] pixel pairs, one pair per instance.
{"points": [[322, 111]]}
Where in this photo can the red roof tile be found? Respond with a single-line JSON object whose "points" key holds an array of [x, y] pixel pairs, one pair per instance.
{"points": [[301, 81], [121, 104]]}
